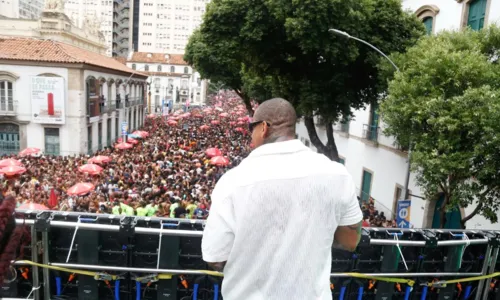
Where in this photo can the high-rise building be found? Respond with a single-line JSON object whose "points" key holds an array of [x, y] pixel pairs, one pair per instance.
{"points": [[93, 14], [21, 9], [122, 21], [165, 26]]}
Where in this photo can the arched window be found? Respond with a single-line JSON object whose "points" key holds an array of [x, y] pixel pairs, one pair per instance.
{"points": [[133, 66], [159, 68], [186, 70], [427, 14], [172, 69], [428, 24], [146, 68]]}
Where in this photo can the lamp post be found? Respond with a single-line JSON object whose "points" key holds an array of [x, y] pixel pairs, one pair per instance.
{"points": [[347, 35]]}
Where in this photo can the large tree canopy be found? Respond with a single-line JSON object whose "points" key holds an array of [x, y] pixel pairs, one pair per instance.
{"points": [[287, 44], [445, 104]]}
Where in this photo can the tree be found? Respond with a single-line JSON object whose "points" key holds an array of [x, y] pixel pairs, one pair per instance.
{"points": [[289, 44], [445, 104]]}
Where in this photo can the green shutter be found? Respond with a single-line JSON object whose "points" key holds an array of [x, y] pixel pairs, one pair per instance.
{"points": [[341, 160], [428, 24], [477, 11], [366, 186]]}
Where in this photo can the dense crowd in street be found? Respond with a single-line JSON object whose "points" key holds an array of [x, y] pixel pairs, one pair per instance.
{"points": [[169, 170]]}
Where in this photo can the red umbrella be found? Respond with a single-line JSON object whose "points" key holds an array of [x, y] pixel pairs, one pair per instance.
{"points": [[33, 206], [215, 122], [100, 159], [9, 162], [211, 152], [81, 188], [204, 127], [12, 170], [123, 146], [90, 168], [29, 151], [53, 199], [219, 161], [129, 140]]}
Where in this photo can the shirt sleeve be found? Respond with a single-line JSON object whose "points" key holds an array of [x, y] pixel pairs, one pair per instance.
{"points": [[218, 235], [351, 212]]}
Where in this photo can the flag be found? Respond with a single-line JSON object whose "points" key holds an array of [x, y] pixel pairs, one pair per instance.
{"points": [[52, 199]]}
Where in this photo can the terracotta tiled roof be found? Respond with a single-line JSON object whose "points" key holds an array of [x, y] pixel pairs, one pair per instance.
{"points": [[173, 59], [30, 49], [121, 59]]}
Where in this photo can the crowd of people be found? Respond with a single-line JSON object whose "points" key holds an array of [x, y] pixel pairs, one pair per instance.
{"points": [[166, 174]]}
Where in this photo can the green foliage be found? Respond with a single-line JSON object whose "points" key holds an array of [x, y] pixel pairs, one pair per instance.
{"points": [[446, 104], [284, 48]]}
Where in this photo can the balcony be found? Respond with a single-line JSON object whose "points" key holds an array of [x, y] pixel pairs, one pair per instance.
{"points": [[8, 108], [370, 132]]}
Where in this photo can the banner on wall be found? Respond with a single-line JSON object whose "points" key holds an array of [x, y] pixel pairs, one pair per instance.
{"points": [[47, 100], [403, 213]]}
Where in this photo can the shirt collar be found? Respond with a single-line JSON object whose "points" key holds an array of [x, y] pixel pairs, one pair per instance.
{"points": [[286, 147]]}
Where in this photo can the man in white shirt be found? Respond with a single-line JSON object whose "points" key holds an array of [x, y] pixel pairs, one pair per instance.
{"points": [[275, 217]]}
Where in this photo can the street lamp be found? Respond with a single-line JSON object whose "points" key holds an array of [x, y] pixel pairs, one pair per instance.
{"points": [[347, 35]]}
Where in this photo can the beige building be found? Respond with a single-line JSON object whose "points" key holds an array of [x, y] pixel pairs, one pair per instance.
{"points": [[165, 26], [55, 25]]}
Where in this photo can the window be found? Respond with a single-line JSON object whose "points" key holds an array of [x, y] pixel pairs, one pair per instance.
{"points": [[186, 70], [52, 146], [159, 68], [342, 160], [6, 96], [307, 143], [133, 66], [172, 69], [366, 185], [146, 68], [428, 24], [477, 12]]}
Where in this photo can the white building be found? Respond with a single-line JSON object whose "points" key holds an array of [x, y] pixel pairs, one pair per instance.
{"points": [[377, 166], [21, 9], [171, 78], [63, 99], [165, 26]]}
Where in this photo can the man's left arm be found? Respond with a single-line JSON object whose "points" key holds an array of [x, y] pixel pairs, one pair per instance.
{"points": [[218, 235]]}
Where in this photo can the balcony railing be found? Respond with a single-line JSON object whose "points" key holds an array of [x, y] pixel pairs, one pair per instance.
{"points": [[370, 132], [8, 108]]}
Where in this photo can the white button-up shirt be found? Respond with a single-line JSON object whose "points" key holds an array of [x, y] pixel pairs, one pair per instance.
{"points": [[273, 218]]}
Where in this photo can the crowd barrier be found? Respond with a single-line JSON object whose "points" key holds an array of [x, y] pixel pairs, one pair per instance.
{"points": [[91, 256]]}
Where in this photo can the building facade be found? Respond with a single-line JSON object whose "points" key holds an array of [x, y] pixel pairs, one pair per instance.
{"points": [[378, 167], [170, 78], [165, 26], [21, 9], [122, 23], [63, 99]]}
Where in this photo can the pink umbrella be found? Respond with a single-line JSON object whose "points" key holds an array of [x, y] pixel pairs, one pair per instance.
{"points": [[172, 122], [12, 170], [141, 133], [9, 162], [204, 127], [215, 122], [129, 140], [223, 115], [239, 129], [32, 206], [100, 159], [90, 168], [29, 151], [211, 152], [123, 146], [219, 161], [232, 123], [151, 116], [241, 123], [81, 188]]}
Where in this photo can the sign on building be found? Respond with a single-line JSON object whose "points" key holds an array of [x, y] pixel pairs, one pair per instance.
{"points": [[47, 100], [403, 213], [124, 128]]}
